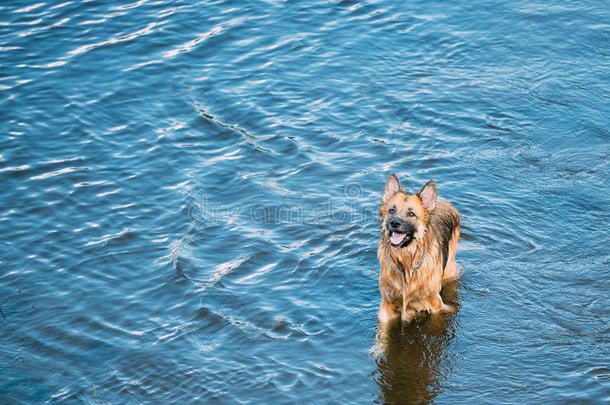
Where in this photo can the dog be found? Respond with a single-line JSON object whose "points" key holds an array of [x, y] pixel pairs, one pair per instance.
{"points": [[416, 252]]}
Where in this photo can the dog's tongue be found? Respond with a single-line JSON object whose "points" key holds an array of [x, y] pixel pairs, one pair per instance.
{"points": [[397, 237]]}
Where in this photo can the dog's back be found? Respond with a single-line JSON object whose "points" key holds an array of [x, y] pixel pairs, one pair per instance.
{"points": [[444, 224]]}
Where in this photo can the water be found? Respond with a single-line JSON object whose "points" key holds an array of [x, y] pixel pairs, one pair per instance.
{"points": [[190, 191]]}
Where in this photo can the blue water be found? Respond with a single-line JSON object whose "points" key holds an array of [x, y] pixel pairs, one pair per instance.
{"points": [[190, 192]]}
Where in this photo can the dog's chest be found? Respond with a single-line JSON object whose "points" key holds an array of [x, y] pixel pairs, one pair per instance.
{"points": [[401, 290]]}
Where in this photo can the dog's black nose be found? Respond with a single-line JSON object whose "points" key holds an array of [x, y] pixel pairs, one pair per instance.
{"points": [[394, 223]]}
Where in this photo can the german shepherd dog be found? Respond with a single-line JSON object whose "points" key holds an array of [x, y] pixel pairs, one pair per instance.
{"points": [[416, 253]]}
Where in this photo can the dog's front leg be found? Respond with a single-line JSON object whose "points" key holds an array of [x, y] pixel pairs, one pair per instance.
{"points": [[407, 314], [437, 305], [387, 312]]}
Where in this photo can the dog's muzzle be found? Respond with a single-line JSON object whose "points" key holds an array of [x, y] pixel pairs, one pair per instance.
{"points": [[401, 232]]}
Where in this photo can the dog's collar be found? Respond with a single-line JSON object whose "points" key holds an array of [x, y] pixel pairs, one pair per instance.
{"points": [[402, 272]]}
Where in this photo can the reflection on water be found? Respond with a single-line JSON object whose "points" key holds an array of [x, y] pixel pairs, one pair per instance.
{"points": [[413, 359]]}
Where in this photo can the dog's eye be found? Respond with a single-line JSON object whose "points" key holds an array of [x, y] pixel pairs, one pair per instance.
{"points": [[411, 214], [392, 211]]}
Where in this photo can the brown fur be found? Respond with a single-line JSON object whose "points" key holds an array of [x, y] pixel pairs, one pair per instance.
{"points": [[437, 229]]}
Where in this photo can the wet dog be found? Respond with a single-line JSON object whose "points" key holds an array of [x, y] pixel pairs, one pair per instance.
{"points": [[416, 253]]}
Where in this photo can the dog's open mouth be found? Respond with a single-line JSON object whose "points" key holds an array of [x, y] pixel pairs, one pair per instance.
{"points": [[398, 239]]}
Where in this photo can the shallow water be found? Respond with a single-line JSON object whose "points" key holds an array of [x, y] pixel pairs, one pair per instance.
{"points": [[190, 191]]}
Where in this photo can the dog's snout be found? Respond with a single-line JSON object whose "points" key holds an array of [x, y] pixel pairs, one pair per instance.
{"points": [[395, 223]]}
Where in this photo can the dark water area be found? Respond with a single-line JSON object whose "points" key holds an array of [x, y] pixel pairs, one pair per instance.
{"points": [[190, 194]]}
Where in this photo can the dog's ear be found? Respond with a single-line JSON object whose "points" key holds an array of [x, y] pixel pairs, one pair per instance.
{"points": [[427, 195], [392, 186]]}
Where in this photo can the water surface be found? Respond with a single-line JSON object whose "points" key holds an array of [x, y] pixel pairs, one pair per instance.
{"points": [[190, 191]]}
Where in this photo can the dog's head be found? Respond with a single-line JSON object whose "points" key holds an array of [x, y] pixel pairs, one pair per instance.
{"points": [[405, 216]]}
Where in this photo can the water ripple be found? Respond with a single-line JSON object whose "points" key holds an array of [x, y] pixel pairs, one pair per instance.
{"points": [[195, 188]]}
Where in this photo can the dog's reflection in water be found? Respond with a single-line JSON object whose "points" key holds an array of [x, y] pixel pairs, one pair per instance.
{"points": [[414, 359]]}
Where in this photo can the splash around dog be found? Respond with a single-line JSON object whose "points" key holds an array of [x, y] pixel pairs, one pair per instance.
{"points": [[416, 252]]}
